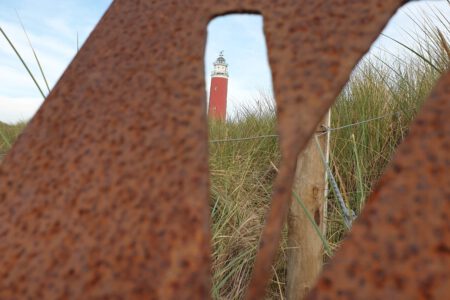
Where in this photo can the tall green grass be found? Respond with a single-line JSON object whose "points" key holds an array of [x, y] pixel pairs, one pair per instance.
{"points": [[389, 95], [241, 177], [360, 153], [8, 135]]}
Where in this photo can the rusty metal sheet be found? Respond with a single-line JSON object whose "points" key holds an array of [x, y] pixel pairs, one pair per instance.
{"points": [[399, 248], [312, 49], [105, 195]]}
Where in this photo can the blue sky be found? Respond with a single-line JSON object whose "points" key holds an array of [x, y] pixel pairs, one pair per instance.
{"points": [[53, 27]]}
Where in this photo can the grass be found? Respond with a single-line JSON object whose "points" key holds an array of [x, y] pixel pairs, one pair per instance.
{"points": [[242, 170], [360, 153], [8, 134], [241, 183]]}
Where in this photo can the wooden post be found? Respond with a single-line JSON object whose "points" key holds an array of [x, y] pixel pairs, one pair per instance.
{"points": [[305, 248]]}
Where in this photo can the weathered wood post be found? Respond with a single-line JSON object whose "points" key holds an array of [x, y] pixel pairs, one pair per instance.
{"points": [[305, 246]]}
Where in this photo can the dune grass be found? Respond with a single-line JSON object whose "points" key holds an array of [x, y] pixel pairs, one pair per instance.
{"points": [[241, 174], [8, 135], [384, 97]]}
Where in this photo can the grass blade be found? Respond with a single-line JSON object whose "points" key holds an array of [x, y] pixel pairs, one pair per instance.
{"points": [[361, 193], [348, 215], [313, 223], [444, 43], [23, 62], [34, 52], [421, 56], [5, 140]]}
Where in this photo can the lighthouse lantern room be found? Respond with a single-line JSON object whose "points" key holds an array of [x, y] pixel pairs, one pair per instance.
{"points": [[218, 90]]}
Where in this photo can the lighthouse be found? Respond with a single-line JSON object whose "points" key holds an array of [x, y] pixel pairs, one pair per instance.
{"points": [[218, 90]]}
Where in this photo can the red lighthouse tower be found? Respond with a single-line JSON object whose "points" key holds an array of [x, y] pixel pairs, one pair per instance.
{"points": [[218, 89]]}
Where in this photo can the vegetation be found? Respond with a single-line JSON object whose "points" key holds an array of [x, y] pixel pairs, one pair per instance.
{"points": [[242, 170], [241, 174], [380, 100], [8, 134]]}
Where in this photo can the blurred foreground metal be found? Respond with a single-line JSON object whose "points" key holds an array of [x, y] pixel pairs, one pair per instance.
{"points": [[105, 195]]}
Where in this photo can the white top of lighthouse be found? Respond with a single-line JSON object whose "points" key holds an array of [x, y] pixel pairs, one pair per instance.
{"points": [[220, 67]]}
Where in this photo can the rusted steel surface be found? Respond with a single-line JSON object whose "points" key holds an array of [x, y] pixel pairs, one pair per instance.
{"points": [[313, 47], [105, 195], [400, 246]]}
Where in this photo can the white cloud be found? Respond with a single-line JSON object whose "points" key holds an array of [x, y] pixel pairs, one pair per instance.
{"points": [[18, 109]]}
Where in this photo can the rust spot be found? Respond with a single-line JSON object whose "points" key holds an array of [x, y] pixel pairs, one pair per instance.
{"points": [[327, 283], [443, 249]]}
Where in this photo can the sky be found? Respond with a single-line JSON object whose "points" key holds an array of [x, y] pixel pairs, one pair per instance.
{"points": [[55, 27]]}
